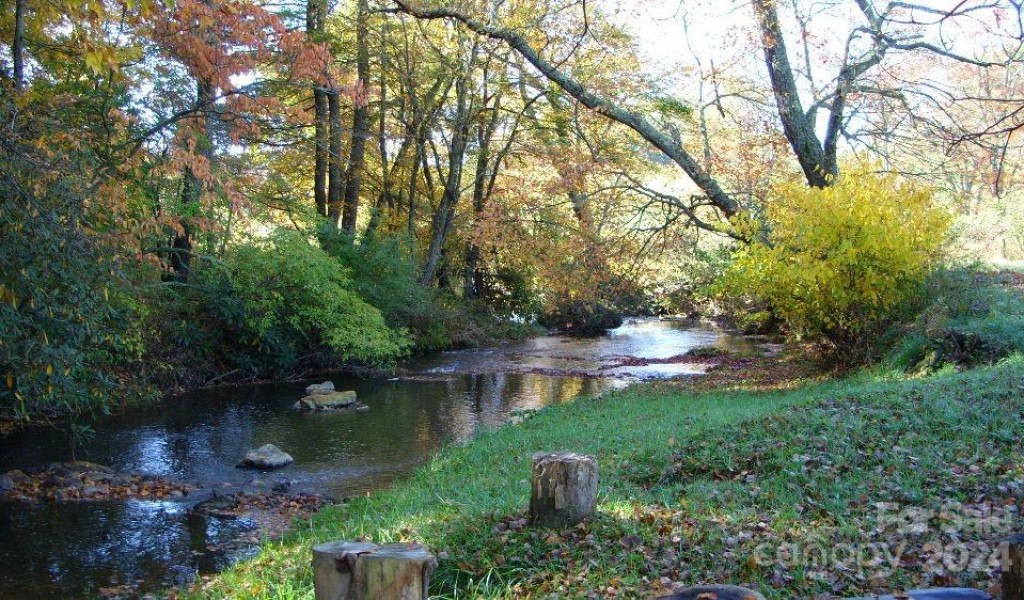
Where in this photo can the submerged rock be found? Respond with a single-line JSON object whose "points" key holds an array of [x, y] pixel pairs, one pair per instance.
{"points": [[327, 401], [320, 388], [267, 456], [80, 467]]}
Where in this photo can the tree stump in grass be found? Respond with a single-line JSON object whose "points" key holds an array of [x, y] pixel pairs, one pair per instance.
{"points": [[564, 488], [1013, 568], [714, 592], [366, 571], [332, 568], [394, 571]]}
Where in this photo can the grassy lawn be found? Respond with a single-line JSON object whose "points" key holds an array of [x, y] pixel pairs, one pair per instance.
{"points": [[777, 489]]}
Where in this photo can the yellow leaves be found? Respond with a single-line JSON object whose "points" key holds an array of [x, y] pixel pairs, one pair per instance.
{"points": [[841, 259], [49, 370], [101, 59], [10, 381]]}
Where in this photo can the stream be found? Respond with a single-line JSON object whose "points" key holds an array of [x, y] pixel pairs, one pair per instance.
{"points": [[87, 548]]}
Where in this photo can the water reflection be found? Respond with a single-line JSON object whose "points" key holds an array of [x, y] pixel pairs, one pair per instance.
{"points": [[74, 549], [77, 549], [592, 357]]}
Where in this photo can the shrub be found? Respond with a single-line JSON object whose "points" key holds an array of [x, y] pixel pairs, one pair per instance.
{"points": [[286, 297], [385, 274], [837, 264], [971, 317], [66, 311]]}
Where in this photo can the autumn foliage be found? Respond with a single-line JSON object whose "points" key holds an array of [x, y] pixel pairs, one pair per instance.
{"points": [[838, 263]]}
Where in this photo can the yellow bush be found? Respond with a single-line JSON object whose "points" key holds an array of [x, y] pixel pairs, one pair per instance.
{"points": [[837, 263]]}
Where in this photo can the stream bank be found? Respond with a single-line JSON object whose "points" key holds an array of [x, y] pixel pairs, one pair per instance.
{"points": [[133, 546]]}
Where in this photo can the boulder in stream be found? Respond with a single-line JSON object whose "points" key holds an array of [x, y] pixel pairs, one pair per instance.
{"points": [[327, 401], [267, 456], [320, 388]]}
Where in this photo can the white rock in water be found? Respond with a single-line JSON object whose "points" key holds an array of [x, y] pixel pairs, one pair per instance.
{"points": [[326, 401], [320, 388], [268, 456]]}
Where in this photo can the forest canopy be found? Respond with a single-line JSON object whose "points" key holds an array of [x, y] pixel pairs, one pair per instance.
{"points": [[215, 190]]}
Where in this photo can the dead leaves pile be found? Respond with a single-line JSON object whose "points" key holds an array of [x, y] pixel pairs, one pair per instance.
{"points": [[274, 513], [76, 481]]}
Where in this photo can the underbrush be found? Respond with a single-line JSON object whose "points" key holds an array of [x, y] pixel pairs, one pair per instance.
{"points": [[971, 317]]}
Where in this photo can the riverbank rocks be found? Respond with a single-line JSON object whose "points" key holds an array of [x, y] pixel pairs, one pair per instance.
{"points": [[329, 401], [320, 388], [267, 456]]}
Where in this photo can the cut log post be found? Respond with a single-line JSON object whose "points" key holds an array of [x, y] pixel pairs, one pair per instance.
{"points": [[1013, 568], [714, 592], [394, 571], [365, 571], [564, 488], [332, 568]]}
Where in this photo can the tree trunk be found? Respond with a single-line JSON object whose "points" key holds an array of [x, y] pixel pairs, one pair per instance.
{"points": [[315, 15], [473, 286], [796, 124], [18, 45], [321, 157], [365, 571], [332, 568], [564, 488], [414, 175], [399, 571], [360, 126], [445, 212], [192, 187], [334, 185], [384, 198]]}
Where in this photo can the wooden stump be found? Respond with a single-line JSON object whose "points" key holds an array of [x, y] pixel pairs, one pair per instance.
{"points": [[366, 571], [1013, 568], [714, 592], [564, 488], [332, 568], [393, 572]]}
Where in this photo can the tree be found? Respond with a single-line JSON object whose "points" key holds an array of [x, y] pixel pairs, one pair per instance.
{"points": [[895, 28]]}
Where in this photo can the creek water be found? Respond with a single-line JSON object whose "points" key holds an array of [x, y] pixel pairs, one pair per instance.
{"points": [[77, 549]]}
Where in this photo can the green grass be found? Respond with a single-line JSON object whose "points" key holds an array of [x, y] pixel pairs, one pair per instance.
{"points": [[694, 488]]}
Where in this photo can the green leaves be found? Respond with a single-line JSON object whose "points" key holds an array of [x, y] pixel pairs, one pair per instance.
{"points": [[288, 297], [673, 107]]}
